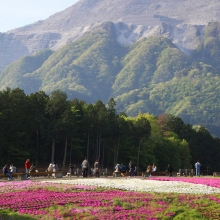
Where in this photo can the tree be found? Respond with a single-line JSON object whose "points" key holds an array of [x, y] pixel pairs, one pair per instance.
{"points": [[14, 118], [69, 128], [185, 155], [142, 130], [37, 105], [56, 106]]}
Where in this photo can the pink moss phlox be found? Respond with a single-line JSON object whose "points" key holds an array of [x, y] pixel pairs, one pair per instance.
{"points": [[35, 198], [36, 201]]}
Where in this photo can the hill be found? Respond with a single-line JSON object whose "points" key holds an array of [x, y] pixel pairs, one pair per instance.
{"points": [[152, 75]]}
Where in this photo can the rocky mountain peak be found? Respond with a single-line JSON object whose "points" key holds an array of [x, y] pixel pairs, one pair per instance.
{"points": [[179, 20]]}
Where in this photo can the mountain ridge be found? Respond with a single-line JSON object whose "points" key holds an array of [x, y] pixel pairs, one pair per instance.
{"points": [[149, 18], [171, 66], [151, 75]]}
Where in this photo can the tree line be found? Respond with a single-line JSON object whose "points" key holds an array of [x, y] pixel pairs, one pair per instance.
{"points": [[47, 128]]}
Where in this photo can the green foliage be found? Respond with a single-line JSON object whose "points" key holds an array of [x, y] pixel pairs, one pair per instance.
{"points": [[8, 214], [151, 75], [30, 123], [19, 73], [185, 156]]}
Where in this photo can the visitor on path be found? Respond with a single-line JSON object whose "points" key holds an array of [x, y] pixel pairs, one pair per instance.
{"points": [[6, 172], [169, 170], [117, 168], [85, 167], [154, 168], [32, 169], [131, 168], [96, 168], [135, 171], [12, 168], [70, 170], [49, 169], [27, 167], [149, 170], [123, 168], [197, 166], [55, 167], [92, 172]]}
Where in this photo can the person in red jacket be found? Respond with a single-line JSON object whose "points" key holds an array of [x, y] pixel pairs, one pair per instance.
{"points": [[27, 167]]}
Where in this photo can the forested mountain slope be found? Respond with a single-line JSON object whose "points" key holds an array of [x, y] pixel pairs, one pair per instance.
{"points": [[152, 75]]}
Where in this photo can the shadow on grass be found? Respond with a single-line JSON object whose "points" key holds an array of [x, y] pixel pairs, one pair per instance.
{"points": [[9, 215]]}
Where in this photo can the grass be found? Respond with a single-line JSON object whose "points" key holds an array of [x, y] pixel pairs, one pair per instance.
{"points": [[10, 215]]}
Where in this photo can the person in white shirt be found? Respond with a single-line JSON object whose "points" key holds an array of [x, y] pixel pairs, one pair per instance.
{"points": [[117, 167], [154, 168], [12, 168]]}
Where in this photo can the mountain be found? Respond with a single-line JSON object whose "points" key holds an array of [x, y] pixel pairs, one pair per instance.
{"points": [[182, 21], [151, 56], [151, 75]]}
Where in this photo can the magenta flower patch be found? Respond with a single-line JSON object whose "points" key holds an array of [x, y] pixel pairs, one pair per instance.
{"points": [[66, 201]]}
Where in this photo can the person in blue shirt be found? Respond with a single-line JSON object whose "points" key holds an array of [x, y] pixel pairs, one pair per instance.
{"points": [[197, 166]]}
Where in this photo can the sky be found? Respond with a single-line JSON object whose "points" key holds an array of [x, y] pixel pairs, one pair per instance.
{"points": [[18, 13]]}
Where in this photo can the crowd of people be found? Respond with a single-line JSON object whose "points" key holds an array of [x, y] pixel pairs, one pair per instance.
{"points": [[94, 171], [133, 170], [12, 169], [151, 169], [29, 168]]}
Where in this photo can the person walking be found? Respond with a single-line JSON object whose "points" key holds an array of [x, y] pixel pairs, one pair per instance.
{"points": [[131, 168], [96, 168], [197, 166], [6, 172], [169, 170], [85, 167], [27, 167]]}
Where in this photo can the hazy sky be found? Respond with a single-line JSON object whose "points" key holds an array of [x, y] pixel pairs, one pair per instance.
{"points": [[18, 13]]}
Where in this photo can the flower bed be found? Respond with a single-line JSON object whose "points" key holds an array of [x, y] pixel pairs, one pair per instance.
{"points": [[213, 182], [169, 185], [66, 200]]}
